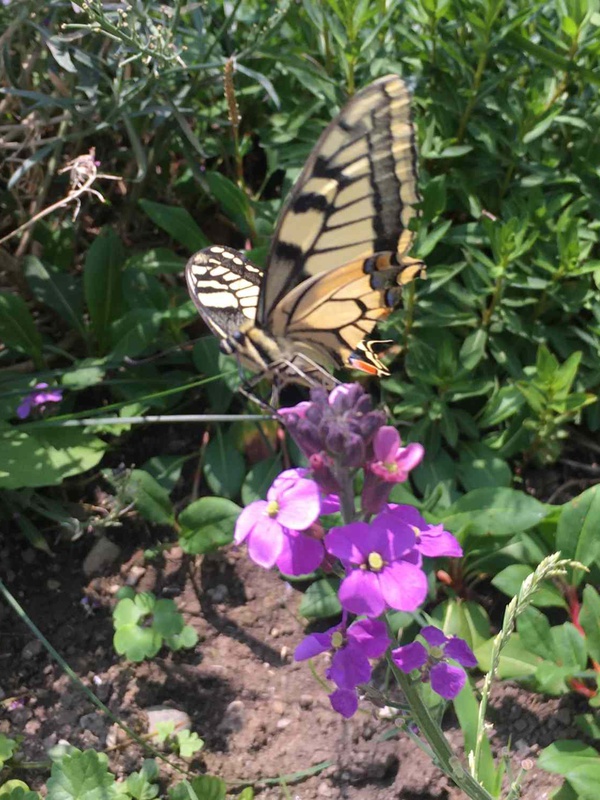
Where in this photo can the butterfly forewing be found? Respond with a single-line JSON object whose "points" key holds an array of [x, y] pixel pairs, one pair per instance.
{"points": [[355, 196], [224, 286]]}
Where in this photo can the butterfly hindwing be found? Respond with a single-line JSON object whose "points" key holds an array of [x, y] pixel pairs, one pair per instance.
{"points": [[355, 196]]}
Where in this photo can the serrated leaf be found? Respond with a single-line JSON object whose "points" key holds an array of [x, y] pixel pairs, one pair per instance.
{"points": [[82, 776]]}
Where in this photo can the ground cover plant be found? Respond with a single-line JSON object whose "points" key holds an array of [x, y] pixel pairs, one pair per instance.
{"points": [[136, 133]]}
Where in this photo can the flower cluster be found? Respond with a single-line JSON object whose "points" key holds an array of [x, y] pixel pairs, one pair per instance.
{"points": [[378, 558]]}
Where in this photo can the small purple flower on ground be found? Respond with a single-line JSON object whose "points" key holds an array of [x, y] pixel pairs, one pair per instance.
{"points": [[350, 664], [38, 399], [446, 679], [293, 503], [380, 560], [432, 540]]}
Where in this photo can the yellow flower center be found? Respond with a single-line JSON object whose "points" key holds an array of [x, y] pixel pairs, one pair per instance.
{"points": [[436, 652], [272, 508], [391, 466], [337, 640], [375, 562]]}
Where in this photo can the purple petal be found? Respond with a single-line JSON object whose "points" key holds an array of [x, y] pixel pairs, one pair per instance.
{"points": [[330, 504], [447, 680], [460, 651], [300, 554], [435, 541], [386, 443], [433, 636], [410, 656], [390, 536], [24, 407], [407, 514], [403, 586], [314, 645], [349, 667], [410, 457], [344, 701], [255, 513], [360, 593], [265, 543], [299, 409], [299, 500], [371, 635], [348, 542]]}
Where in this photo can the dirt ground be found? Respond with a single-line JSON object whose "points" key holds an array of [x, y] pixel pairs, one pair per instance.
{"points": [[260, 714]]}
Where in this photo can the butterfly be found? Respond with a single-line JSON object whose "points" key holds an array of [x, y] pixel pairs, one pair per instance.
{"points": [[339, 256]]}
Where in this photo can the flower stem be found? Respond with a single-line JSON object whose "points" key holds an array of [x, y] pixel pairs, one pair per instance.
{"points": [[444, 756]]}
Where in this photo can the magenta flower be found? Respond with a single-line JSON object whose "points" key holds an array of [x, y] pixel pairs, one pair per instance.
{"points": [[293, 503], [38, 399], [392, 462], [302, 551], [446, 679], [384, 575], [350, 666], [432, 540]]}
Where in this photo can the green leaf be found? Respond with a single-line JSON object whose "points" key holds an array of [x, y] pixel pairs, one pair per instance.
{"points": [[88, 372], [102, 284], [17, 790], [128, 612], [184, 640], [535, 632], [7, 748], [207, 524], [156, 261], [150, 498], [562, 756], [510, 579], [577, 534], [17, 328], [134, 332], [479, 467], [188, 743], [58, 290], [178, 223], [515, 660], [166, 470], [473, 348], [209, 787], [82, 776], [569, 646], [232, 199], [167, 620], [589, 619], [495, 512], [139, 785], [260, 478], [585, 780], [467, 711], [466, 619], [224, 466], [47, 458], [320, 600], [137, 643]]}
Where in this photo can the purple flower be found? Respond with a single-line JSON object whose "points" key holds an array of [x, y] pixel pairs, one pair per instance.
{"points": [[350, 666], [392, 462], [432, 661], [302, 551], [293, 503], [38, 399], [432, 540], [385, 574]]}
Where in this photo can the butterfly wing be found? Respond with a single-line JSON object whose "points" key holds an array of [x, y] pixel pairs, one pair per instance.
{"points": [[329, 316], [224, 286], [355, 196]]}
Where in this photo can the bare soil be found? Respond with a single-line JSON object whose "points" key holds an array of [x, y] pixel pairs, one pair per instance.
{"points": [[260, 714]]}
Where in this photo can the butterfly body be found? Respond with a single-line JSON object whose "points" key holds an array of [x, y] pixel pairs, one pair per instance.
{"points": [[338, 258]]}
